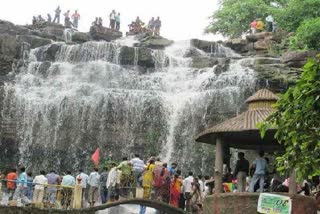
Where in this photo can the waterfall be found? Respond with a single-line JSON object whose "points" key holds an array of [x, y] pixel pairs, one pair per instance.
{"points": [[67, 34], [85, 99]]}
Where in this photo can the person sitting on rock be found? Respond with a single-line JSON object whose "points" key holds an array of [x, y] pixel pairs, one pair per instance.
{"points": [[157, 26], [260, 26], [96, 21], [76, 17], [49, 19], [138, 25], [57, 15], [132, 26], [40, 19]]}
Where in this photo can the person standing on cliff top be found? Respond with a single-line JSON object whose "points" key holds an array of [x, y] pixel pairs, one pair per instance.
{"points": [[112, 18], [75, 17], [67, 18], [57, 15], [151, 25], [157, 26], [117, 20], [49, 19]]}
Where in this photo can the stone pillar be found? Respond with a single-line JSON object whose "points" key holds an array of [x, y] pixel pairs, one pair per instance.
{"points": [[293, 183], [77, 197], [218, 166]]}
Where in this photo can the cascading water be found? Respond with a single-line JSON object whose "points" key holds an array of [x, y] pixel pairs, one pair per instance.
{"points": [[84, 99]]}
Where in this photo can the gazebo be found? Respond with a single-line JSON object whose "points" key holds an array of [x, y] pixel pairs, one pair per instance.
{"points": [[241, 132]]}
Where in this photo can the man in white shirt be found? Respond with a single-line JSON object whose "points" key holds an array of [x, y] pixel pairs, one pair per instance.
{"points": [[187, 186], [39, 182], [83, 177], [94, 182], [112, 182], [137, 168]]}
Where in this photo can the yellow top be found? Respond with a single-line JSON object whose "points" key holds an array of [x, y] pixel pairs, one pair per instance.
{"points": [[148, 176], [260, 25]]}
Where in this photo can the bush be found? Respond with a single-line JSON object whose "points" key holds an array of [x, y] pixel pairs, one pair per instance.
{"points": [[307, 35]]}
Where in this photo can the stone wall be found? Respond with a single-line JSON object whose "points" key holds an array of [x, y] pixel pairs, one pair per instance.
{"points": [[240, 203]]}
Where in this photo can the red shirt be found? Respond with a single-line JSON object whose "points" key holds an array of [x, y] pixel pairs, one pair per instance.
{"points": [[11, 184]]}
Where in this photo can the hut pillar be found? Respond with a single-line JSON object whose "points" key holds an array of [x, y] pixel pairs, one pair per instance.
{"points": [[218, 166], [292, 183]]}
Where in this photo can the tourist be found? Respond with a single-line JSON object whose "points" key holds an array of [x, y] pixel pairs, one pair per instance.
{"points": [[182, 200], [34, 20], [49, 19], [125, 166], [207, 188], [57, 15], [132, 27], [39, 181], [147, 182], [52, 189], [158, 181], [68, 183], [201, 183], [196, 197], [83, 178], [260, 166], [40, 19], [137, 169], [187, 187], [29, 185], [274, 27], [175, 190], [241, 172], [99, 22], [165, 184], [138, 25], [112, 18], [11, 182], [117, 20], [94, 182], [103, 185], [172, 169], [157, 26], [96, 21], [67, 18], [253, 26], [151, 25], [75, 17], [260, 25], [269, 20], [112, 182], [21, 189]]}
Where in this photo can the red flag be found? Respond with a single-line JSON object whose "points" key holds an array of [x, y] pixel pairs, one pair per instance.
{"points": [[95, 157]]}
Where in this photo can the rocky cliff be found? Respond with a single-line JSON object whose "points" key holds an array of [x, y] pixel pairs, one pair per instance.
{"points": [[126, 97]]}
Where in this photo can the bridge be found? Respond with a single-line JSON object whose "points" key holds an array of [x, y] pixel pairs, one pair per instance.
{"points": [[92, 210]]}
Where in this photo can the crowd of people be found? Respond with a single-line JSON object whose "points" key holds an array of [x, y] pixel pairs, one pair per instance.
{"points": [[114, 21], [138, 26], [67, 18], [152, 179], [257, 25]]}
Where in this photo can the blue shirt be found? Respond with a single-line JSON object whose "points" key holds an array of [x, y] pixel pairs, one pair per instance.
{"points": [[68, 180], [261, 166], [117, 18], [23, 179]]}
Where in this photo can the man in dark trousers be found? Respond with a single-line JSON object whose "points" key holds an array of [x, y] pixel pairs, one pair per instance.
{"points": [[241, 171]]}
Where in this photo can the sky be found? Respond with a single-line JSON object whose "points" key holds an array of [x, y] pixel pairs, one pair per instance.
{"points": [[181, 19]]}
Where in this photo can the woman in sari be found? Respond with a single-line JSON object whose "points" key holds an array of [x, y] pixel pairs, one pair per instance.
{"points": [[147, 181], [175, 189]]}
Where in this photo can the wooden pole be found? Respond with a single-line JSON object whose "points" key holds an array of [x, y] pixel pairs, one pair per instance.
{"points": [[293, 183], [218, 166], [77, 197]]}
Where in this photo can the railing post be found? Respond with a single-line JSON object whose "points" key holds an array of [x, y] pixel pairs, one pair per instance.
{"points": [[77, 197]]}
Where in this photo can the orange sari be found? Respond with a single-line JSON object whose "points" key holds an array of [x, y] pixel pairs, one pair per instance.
{"points": [[175, 189]]}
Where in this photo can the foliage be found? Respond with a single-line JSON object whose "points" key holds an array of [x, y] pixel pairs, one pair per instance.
{"points": [[290, 17], [234, 17], [307, 35], [297, 120]]}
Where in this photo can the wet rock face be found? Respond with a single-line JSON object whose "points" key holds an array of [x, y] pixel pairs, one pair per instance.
{"points": [[154, 42], [9, 52], [102, 33], [297, 59]]}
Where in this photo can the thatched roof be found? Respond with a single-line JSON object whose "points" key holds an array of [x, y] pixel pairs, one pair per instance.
{"points": [[242, 131]]}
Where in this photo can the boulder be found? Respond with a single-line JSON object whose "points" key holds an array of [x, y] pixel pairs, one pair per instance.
{"points": [[48, 53], [265, 60], [264, 44], [204, 62], [143, 58], [10, 50], [192, 52], [297, 59], [206, 46], [239, 45], [154, 42], [34, 41], [11, 29], [103, 33], [79, 37], [258, 36]]}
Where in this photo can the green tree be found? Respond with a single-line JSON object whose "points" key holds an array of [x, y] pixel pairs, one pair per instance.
{"points": [[297, 119], [291, 16], [307, 35]]}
